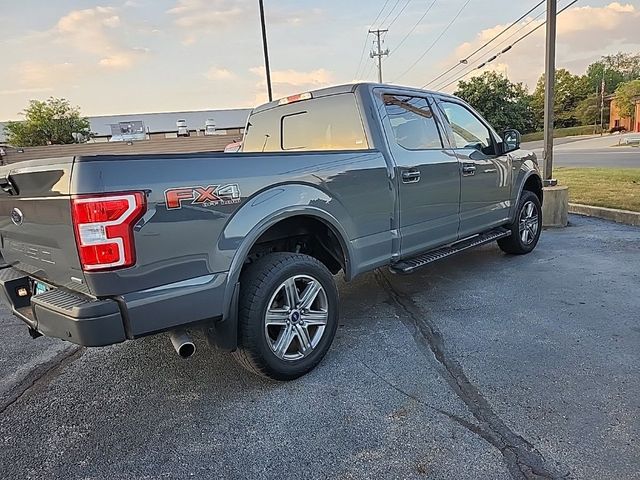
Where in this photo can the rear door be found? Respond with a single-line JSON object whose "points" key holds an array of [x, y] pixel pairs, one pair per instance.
{"points": [[486, 173], [427, 173], [36, 231]]}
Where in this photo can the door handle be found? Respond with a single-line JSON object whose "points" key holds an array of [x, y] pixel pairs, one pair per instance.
{"points": [[410, 176], [468, 169]]}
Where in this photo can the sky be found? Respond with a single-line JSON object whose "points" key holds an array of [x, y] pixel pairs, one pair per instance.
{"points": [[135, 56]]}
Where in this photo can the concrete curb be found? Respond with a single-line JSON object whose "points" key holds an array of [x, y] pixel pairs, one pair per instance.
{"points": [[619, 216]]}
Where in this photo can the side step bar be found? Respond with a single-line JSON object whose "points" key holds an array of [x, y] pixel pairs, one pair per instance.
{"points": [[408, 265]]}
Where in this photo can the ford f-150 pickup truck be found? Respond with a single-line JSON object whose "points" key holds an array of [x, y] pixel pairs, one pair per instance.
{"points": [[245, 246]]}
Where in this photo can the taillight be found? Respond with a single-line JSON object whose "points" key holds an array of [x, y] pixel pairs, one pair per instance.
{"points": [[103, 225]]}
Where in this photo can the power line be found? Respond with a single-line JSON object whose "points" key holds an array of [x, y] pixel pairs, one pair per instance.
{"points": [[509, 37], [505, 50], [435, 41], [366, 40], [380, 12], [408, 34], [399, 13], [389, 13], [468, 57]]}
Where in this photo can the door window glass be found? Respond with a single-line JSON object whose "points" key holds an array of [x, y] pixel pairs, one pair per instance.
{"points": [[412, 122], [468, 130]]}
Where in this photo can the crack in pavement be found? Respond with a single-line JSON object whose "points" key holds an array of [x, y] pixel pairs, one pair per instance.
{"points": [[522, 459], [40, 375]]}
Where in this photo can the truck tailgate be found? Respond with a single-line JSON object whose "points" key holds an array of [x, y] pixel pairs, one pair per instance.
{"points": [[36, 230]]}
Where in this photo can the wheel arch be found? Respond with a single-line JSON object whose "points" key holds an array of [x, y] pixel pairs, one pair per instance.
{"points": [[265, 212]]}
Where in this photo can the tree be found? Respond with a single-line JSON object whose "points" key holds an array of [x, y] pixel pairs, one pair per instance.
{"points": [[588, 110], [627, 94], [618, 68], [503, 103], [570, 90], [50, 122]]}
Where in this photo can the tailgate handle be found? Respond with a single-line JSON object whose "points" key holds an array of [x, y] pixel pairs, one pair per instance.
{"points": [[8, 186]]}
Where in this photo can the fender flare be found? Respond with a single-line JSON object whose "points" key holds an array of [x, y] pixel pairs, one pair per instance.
{"points": [[532, 172], [224, 332]]}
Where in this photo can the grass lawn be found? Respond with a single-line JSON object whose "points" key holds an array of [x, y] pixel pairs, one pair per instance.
{"points": [[602, 187], [561, 132]]}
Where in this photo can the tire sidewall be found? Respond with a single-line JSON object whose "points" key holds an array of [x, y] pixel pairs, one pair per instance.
{"points": [[527, 196], [291, 369]]}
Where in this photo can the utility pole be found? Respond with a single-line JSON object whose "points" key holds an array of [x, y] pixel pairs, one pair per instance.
{"points": [[602, 88], [549, 91], [379, 52], [266, 50]]}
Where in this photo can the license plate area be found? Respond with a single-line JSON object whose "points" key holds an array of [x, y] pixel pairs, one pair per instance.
{"points": [[38, 287]]}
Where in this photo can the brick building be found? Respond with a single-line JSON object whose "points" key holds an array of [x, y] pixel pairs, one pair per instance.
{"points": [[632, 124]]}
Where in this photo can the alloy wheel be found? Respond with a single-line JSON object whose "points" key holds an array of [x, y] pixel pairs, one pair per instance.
{"points": [[296, 317]]}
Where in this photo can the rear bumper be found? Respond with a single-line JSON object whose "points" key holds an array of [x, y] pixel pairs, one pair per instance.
{"points": [[96, 322], [62, 314]]}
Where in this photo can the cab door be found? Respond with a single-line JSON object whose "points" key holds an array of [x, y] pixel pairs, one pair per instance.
{"points": [[427, 174], [485, 192]]}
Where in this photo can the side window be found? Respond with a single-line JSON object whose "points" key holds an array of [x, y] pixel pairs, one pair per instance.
{"points": [[412, 122], [468, 130]]}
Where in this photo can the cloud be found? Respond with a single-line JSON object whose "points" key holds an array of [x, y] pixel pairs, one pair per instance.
{"points": [[296, 78], [202, 17], [584, 34], [96, 31], [42, 75], [21, 91], [215, 73], [289, 82], [207, 13]]}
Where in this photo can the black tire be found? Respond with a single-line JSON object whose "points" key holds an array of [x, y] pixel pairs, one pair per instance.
{"points": [[514, 244], [262, 283]]}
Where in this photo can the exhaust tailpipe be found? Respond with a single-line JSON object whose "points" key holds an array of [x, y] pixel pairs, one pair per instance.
{"points": [[182, 343]]}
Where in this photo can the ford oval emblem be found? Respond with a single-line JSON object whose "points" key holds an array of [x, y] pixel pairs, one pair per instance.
{"points": [[16, 216]]}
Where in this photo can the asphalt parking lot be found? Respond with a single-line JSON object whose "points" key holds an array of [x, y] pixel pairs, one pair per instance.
{"points": [[481, 366]]}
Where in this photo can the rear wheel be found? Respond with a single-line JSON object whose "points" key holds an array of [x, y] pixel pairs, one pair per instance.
{"points": [[288, 315], [526, 227]]}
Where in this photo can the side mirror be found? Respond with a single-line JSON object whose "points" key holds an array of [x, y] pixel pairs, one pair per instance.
{"points": [[510, 140]]}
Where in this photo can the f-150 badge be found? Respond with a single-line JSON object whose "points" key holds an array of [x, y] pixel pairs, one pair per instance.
{"points": [[209, 196]]}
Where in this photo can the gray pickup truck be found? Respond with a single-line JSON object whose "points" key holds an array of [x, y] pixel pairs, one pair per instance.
{"points": [[245, 246]]}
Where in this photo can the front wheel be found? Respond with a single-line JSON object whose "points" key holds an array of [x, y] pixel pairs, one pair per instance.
{"points": [[288, 315], [526, 227]]}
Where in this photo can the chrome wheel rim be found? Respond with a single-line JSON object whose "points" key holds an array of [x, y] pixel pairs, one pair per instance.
{"points": [[296, 317], [529, 224]]}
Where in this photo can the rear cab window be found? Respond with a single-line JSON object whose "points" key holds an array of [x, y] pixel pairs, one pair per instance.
{"points": [[325, 123]]}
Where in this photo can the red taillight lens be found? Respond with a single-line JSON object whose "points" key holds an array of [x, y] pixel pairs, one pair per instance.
{"points": [[104, 229]]}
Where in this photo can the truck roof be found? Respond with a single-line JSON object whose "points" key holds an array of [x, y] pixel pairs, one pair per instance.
{"points": [[350, 87]]}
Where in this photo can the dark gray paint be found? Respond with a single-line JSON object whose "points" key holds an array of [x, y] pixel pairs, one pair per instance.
{"points": [[357, 193]]}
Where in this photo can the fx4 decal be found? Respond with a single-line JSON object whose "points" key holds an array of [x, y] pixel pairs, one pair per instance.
{"points": [[208, 196]]}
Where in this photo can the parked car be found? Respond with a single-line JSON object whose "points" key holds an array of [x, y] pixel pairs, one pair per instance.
{"points": [[618, 129], [347, 179]]}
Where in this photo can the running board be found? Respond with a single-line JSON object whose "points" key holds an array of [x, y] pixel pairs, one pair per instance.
{"points": [[410, 264]]}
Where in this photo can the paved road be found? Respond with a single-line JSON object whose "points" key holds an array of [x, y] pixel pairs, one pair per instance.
{"points": [[590, 152], [482, 366]]}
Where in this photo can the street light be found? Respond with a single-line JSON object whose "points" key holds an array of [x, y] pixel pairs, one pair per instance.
{"points": [[266, 50]]}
